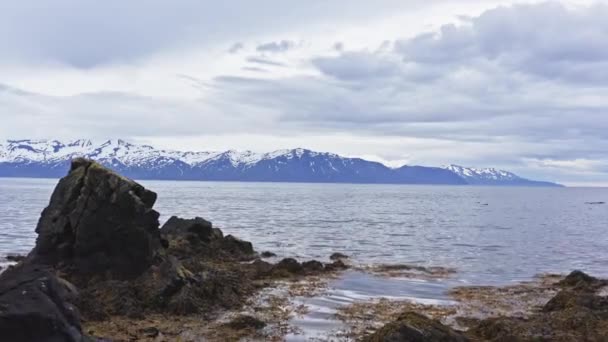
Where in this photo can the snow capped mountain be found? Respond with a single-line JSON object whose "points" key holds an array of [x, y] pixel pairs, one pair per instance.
{"points": [[492, 176], [486, 174], [51, 158]]}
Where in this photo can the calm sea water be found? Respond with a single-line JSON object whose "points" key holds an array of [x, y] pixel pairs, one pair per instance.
{"points": [[487, 233], [491, 235]]}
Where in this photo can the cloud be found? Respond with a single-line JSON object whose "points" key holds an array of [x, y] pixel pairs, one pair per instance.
{"points": [[276, 47], [87, 34], [236, 47], [547, 40], [264, 61]]}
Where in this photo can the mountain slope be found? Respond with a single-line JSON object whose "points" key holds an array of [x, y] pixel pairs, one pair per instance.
{"points": [[50, 158], [491, 176]]}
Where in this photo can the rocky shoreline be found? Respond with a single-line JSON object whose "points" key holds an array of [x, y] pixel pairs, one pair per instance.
{"points": [[104, 270]]}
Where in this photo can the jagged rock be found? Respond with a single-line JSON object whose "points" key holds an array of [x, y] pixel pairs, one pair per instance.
{"points": [[237, 247], [98, 223], [35, 305], [200, 228], [413, 327], [188, 238]]}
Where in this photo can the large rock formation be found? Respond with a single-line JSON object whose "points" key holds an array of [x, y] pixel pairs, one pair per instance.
{"points": [[35, 305], [98, 223]]}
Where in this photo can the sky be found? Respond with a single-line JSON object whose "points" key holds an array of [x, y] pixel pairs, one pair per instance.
{"points": [[517, 85]]}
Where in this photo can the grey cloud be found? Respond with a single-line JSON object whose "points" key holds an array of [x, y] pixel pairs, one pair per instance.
{"points": [[264, 61], [357, 65], [276, 47], [236, 47], [546, 40], [521, 90], [86, 33]]}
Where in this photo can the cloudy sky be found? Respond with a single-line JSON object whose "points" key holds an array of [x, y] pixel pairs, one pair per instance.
{"points": [[520, 85]]}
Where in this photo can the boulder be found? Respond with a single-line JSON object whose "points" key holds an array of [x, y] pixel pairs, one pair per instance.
{"points": [[199, 228], [196, 238], [414, 327], [98, 223], [338, 256], [267, 254], [35, 305]]}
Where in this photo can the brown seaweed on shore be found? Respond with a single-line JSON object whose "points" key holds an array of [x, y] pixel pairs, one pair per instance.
{"points": [[551, 308]]}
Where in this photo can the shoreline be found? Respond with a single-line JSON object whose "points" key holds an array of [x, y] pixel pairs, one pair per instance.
{"points": [[103, 268]]}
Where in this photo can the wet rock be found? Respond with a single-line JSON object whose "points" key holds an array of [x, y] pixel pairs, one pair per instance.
{"points": [[289, 265], [98, 223], [198, 229], [313, 266], [576, 313], [242, 322], [338, 256], [267, 254], [413, 327], [37, 306], [237, 247], [197, 239], [337, 265], [15, 257], [579, 279]]}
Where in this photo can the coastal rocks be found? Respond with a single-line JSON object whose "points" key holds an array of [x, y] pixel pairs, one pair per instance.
{"points": [[35, 305], [414, 327], [98, 223], [290, 267], [196, 238], [576, 313]]}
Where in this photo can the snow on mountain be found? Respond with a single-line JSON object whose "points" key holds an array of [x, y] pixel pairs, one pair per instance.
{"points": [[51, 158], [486, 173], [492, 176]]}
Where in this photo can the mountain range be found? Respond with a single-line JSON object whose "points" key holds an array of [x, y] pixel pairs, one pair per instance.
{"points": [[51, 159]]}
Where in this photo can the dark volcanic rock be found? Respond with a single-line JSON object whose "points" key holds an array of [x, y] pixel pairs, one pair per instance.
{"points": [[413, 327], [198, 227], [98, 223], [196, 238], [35, 305]]}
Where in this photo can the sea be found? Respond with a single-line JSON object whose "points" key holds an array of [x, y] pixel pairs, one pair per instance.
{"points": [[489, 235]]}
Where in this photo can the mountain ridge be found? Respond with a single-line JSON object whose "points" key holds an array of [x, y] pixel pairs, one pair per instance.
{"points": [[50, 159]]}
